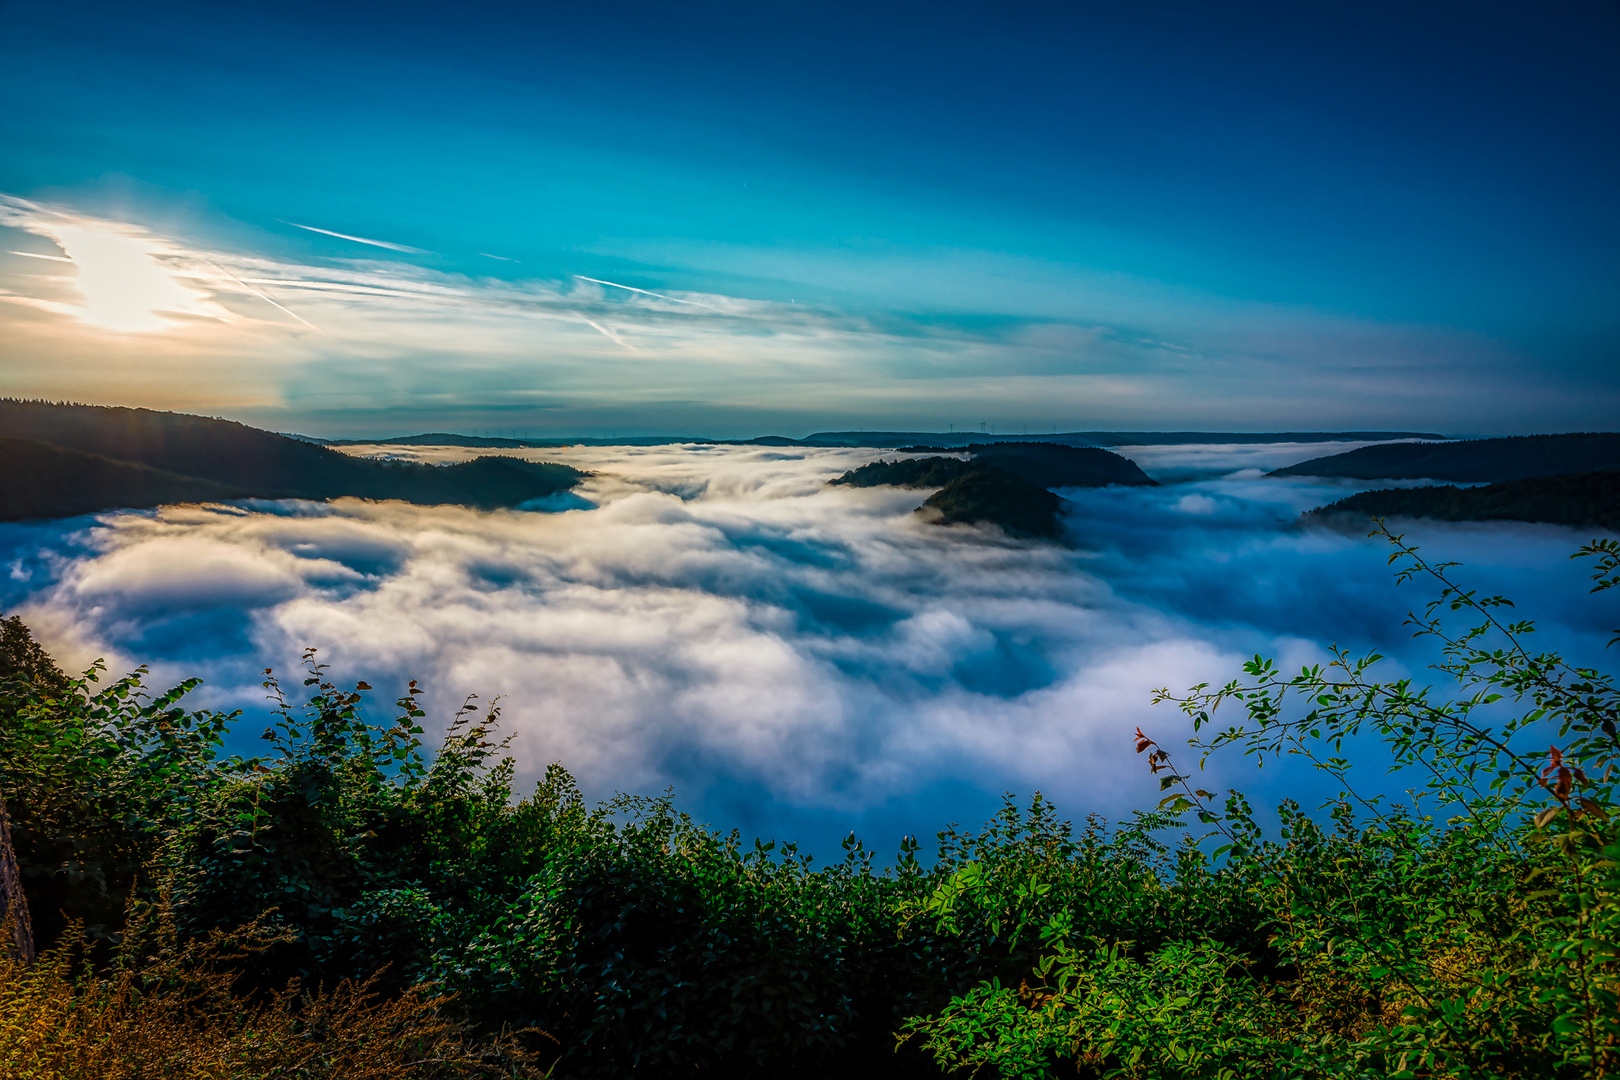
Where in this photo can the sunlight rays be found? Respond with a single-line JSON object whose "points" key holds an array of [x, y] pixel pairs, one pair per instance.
{"points": [[127, 279]]}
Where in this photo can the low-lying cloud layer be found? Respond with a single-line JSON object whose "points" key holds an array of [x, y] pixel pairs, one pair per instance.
{"points": [[793, 658]]}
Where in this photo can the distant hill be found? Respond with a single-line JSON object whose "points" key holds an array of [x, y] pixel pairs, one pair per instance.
{"points": [[1582, 500], [1045, 465], [442, 438], [1470, 460], [986, 493], [1003, 483], [187, 458], [954, 440], [1053, 465], [927, 472], [897, 440]]}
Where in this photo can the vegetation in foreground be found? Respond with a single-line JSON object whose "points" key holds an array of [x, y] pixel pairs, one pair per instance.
{"points": [[345, 894]]}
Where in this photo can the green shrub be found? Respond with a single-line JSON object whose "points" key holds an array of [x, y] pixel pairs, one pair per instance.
{"points": [[95, 778], [1470, 931], [1398, 942]]}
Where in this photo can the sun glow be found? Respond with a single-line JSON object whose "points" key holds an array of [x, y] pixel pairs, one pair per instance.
{"points": [[125, 287]]}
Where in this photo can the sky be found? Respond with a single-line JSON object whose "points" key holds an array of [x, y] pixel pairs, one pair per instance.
{"points": [[736, 219], [793, 659]]}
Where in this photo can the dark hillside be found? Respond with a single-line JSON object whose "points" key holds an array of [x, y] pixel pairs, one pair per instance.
{"points": [[987, 493], [440, 438], [231, 460], [928, 472], [1055, 465], [1584, 500], [219, 450], [957, 439], [1046, 465], [485, 483], [38, 480], [1470, 460], [1004, 483]]}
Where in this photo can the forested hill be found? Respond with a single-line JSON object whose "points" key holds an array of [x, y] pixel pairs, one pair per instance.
{"points": [[957, 440], [1471, 460], [1052, 465], [1584, 500], [1046, 465], [1005, 484], [38, 480], [442, 438], [69, 459], [219, 450]]}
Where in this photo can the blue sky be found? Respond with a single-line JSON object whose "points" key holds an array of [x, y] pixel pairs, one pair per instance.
{"points": [[1152, 215]]}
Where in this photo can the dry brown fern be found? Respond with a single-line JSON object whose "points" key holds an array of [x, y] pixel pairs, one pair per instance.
{"points": [[176, 1015]]}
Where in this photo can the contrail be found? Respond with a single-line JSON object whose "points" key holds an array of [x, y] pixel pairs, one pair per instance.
{"points": [[611, 336], [648, 292], [263, 297], [502, 258], [32, 255], [359, 239]]}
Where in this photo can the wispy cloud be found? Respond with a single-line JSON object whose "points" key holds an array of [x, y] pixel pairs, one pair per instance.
{"points": [[647, 292], [129, 280], [217, 329], [265, 298], [407, 249], [611, 335]]}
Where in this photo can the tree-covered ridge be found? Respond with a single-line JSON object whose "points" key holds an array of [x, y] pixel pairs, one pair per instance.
{"points": [[970, 493], [1051, 465], [918, 472], [1005, 484], [1470, 460], [959, 439], [1469, 931], [1046, 465], [70, 459], [38, 480], [1584, 500], [987, 493]]}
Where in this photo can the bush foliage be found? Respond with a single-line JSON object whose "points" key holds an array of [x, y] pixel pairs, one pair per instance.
{"points": [[438, 917]]}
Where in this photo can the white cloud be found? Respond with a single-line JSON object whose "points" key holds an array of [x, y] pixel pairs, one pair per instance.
{"points": [[128, 280], [361, 239], [727, 623], [230, 331]]}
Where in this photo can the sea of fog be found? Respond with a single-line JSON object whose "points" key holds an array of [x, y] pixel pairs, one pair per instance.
{"points": [[793, 659]]}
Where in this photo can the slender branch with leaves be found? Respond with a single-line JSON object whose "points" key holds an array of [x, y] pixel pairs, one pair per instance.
{"points": [[1471, 930]]}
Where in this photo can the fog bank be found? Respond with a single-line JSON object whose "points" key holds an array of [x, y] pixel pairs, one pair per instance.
{"points": [[793, 658]]}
